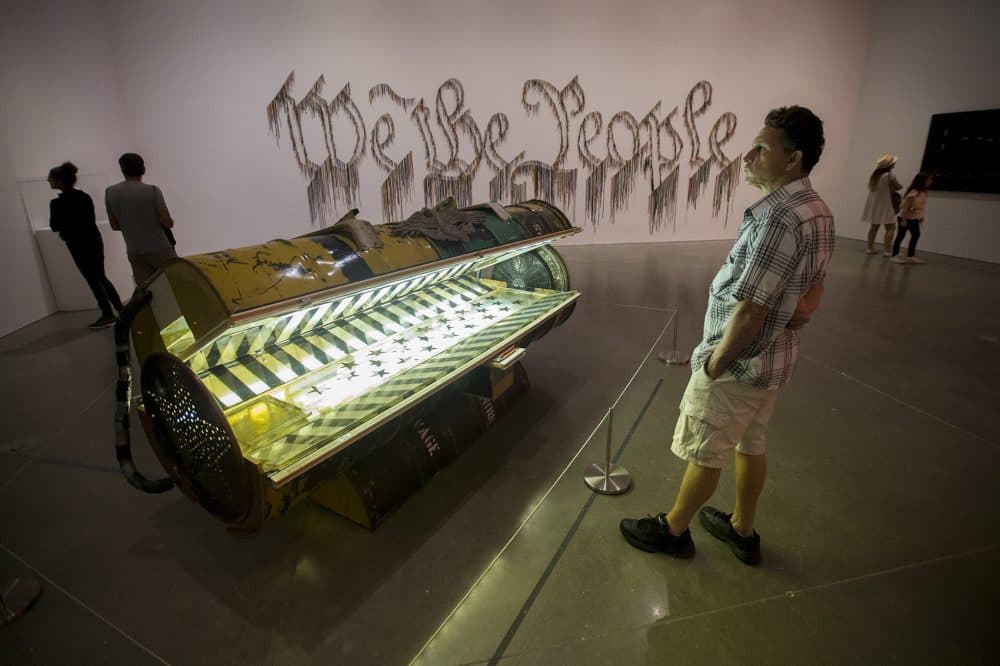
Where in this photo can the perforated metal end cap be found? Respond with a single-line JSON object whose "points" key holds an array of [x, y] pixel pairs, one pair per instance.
{"points": [[525, 271], [194, 439]]}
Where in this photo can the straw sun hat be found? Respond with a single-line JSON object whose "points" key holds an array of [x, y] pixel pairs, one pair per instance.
{"points": [[885, 161]]}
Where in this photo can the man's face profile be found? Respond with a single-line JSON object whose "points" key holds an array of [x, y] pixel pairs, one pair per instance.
{"points": [[766, 161]]}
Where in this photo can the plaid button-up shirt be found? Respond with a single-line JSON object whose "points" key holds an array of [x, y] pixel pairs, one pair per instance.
{"points": [[782, 249]]}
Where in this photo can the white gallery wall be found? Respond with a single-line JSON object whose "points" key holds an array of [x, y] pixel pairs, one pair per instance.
{"points": [[925, 58], [198, 85], [61, 101], [187, 84]]}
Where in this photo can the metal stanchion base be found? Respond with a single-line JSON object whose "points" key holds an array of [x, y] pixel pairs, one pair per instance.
{"points": [[615, 481], [674, 358], [17, 598]]}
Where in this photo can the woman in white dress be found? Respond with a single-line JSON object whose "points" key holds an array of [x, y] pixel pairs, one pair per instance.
{"points": [[879, 207]]}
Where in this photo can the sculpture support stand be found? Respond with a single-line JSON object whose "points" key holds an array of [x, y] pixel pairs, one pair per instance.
{"points": [[608, 479], [674, 357]]}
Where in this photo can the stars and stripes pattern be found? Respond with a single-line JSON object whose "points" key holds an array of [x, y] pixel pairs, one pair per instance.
{"points": [[382, 380], [270, 357], [256, 338], [346, 364]]}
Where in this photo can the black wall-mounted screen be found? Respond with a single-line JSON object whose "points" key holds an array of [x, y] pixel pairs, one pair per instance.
{"points": [[963, 151]]}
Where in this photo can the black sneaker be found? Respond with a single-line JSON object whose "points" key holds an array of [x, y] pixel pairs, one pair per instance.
{"points": [[718, 525], [103, 322], [652, 535]]}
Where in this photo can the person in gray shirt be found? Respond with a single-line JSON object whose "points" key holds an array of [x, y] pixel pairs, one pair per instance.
{"points": [[139, 211]]}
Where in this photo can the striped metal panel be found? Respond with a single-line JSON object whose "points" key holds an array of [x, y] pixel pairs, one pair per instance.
{"points": [[400, 372], [244, 367], [259, 337]]}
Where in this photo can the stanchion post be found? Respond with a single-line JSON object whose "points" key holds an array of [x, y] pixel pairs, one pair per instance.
{"points": [[17, 597], [675, 357], [608, 479], [611, 423]]}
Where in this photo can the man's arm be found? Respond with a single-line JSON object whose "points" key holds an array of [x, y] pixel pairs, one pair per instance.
{"points": [[166, 220], [112, 220], [806, 306], [162, 211], [742, 328]]}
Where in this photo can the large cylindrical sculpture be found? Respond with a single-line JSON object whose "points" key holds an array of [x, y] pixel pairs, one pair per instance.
{"points": [[261, 366]]}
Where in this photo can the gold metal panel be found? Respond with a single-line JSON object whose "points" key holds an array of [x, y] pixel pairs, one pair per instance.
{"points": [[402, 253], [262, 419], [260, 275]]}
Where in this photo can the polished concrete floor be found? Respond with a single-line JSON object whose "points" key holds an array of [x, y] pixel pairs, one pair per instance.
{"points": [[878, 522]]}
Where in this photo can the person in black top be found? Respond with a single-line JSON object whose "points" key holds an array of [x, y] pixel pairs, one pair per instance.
{"points": [[72, 215]]}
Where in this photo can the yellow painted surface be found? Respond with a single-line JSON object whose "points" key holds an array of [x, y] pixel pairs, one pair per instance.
{"points": [[259, 275]]}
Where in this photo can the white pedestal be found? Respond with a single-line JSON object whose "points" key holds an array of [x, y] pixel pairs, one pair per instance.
{"points": [[68, 286]]}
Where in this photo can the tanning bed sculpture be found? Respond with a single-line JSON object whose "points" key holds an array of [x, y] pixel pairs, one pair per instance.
{"points": [[346, 365]]}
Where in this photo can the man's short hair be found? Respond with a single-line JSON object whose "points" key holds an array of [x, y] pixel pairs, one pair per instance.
{"points": [[132, 165], [802, 130]]}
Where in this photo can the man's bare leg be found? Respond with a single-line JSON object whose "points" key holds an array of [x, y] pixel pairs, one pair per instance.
{"points": [[750, 474], [697, 486]]}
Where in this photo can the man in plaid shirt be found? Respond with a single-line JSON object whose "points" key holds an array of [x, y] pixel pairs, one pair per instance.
{"points": [[769, 285]]}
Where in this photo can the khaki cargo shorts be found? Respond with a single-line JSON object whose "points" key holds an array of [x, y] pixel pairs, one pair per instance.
{"points": [[718, 415]]}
